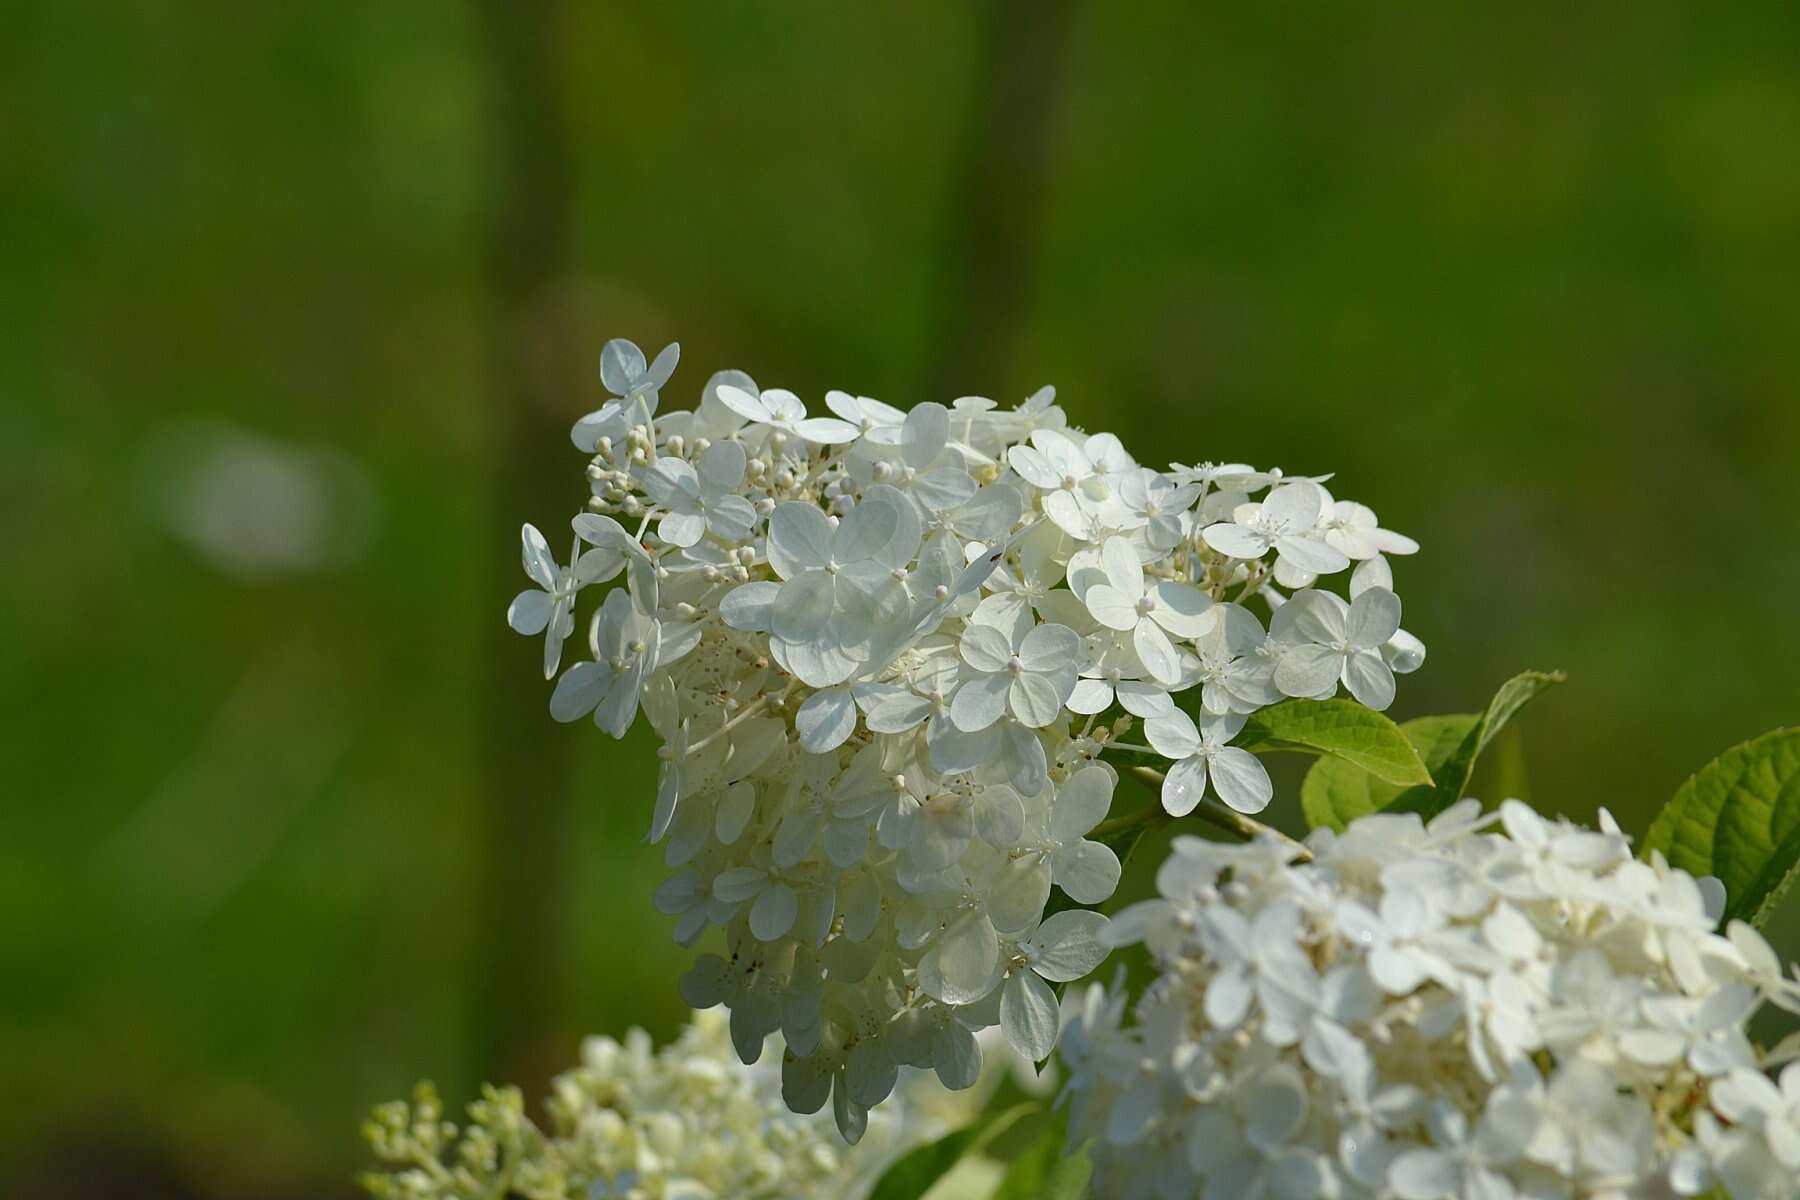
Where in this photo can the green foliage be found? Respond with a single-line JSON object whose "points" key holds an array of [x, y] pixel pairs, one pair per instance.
{"points": [[1342, 728], [1337, 791], [1046, 1170], [1738, 818], [914, 1173]]}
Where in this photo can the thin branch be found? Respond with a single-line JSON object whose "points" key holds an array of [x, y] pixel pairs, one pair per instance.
{"points": [[1228, 820]]}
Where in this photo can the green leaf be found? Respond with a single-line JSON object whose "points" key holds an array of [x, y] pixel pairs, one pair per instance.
{"points": [[1513, 695], [1336, 792], [913, 1173], [1738, 818], [1043, 1171], [1343, 728]]}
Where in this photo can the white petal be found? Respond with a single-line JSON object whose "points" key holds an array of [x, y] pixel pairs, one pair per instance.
{"points": [[664, 365], [1081, 802], [732, 518], [681, 529], [1184, 786], [1111, 607], [1028, 1015], [1144, 699], [736, 807], [1033, 467], [1153, 647], [1371, 572], [539, 562], [957, 1056], [826, 431], [749, 606], [985, 648], [601, 530], [817, 664], [800, 539], [1310, 555], [826, 720], [721, 468], [941, 831], [1374, 618], [1296, 505], [1369, 679], [555, 633], [673, 483], [804, 606], [864, 531], [1069, 944], [1173, 735], [1037, 699], [579, 690], [1241, 779], [1309, 671], [1063, 509], [745, 405], [999, 816], [890, 709], [773, 913], [1049, 648], [859, 900], [963, 964], [1090, 696], [1016, 899], [1228, 998], [1132, 1113], [530, 612], [870, 1072], [953, 751], [1123, 570], [980, 702], [621, 366], [1235, 540], [619, 708], [1274, 1106], [943, 487], [738, 884], [1087, 871], [923, 434]]}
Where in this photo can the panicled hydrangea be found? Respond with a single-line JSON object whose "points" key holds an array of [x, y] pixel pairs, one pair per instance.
{"points": [[1431, 1011], [885, 652], [681, 1123]]}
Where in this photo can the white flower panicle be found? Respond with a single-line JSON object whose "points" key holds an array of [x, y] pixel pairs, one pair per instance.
{"points": [[682, 1123], [1430, 1011], [885, 652]]}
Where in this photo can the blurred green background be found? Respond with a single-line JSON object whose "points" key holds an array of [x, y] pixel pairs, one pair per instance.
{"points": [[300, 299]]}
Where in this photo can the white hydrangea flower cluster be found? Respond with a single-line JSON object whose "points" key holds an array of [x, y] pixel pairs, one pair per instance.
{"points": [[1430, 1011], [682, 1123], [885, 651]]}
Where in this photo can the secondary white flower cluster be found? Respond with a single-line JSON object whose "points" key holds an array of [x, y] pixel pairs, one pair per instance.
{"points": [[686, 1122], [1435, 1011], [884, 651]]}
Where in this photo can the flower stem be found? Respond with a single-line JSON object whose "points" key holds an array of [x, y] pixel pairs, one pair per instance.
{"points": [[1227, 820]]}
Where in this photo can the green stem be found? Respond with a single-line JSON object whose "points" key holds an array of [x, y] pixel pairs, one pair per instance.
{"points": [[1227, 820]]}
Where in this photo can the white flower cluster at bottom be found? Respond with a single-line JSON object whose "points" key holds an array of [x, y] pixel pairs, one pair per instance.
{"points": [[688, 1122], [1435, 1011]]}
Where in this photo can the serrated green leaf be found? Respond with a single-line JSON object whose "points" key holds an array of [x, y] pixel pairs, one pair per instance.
{"points": [[1336, 792], [1738, 818], [913, 1173], [1343, 728], [1043, 1171]]}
